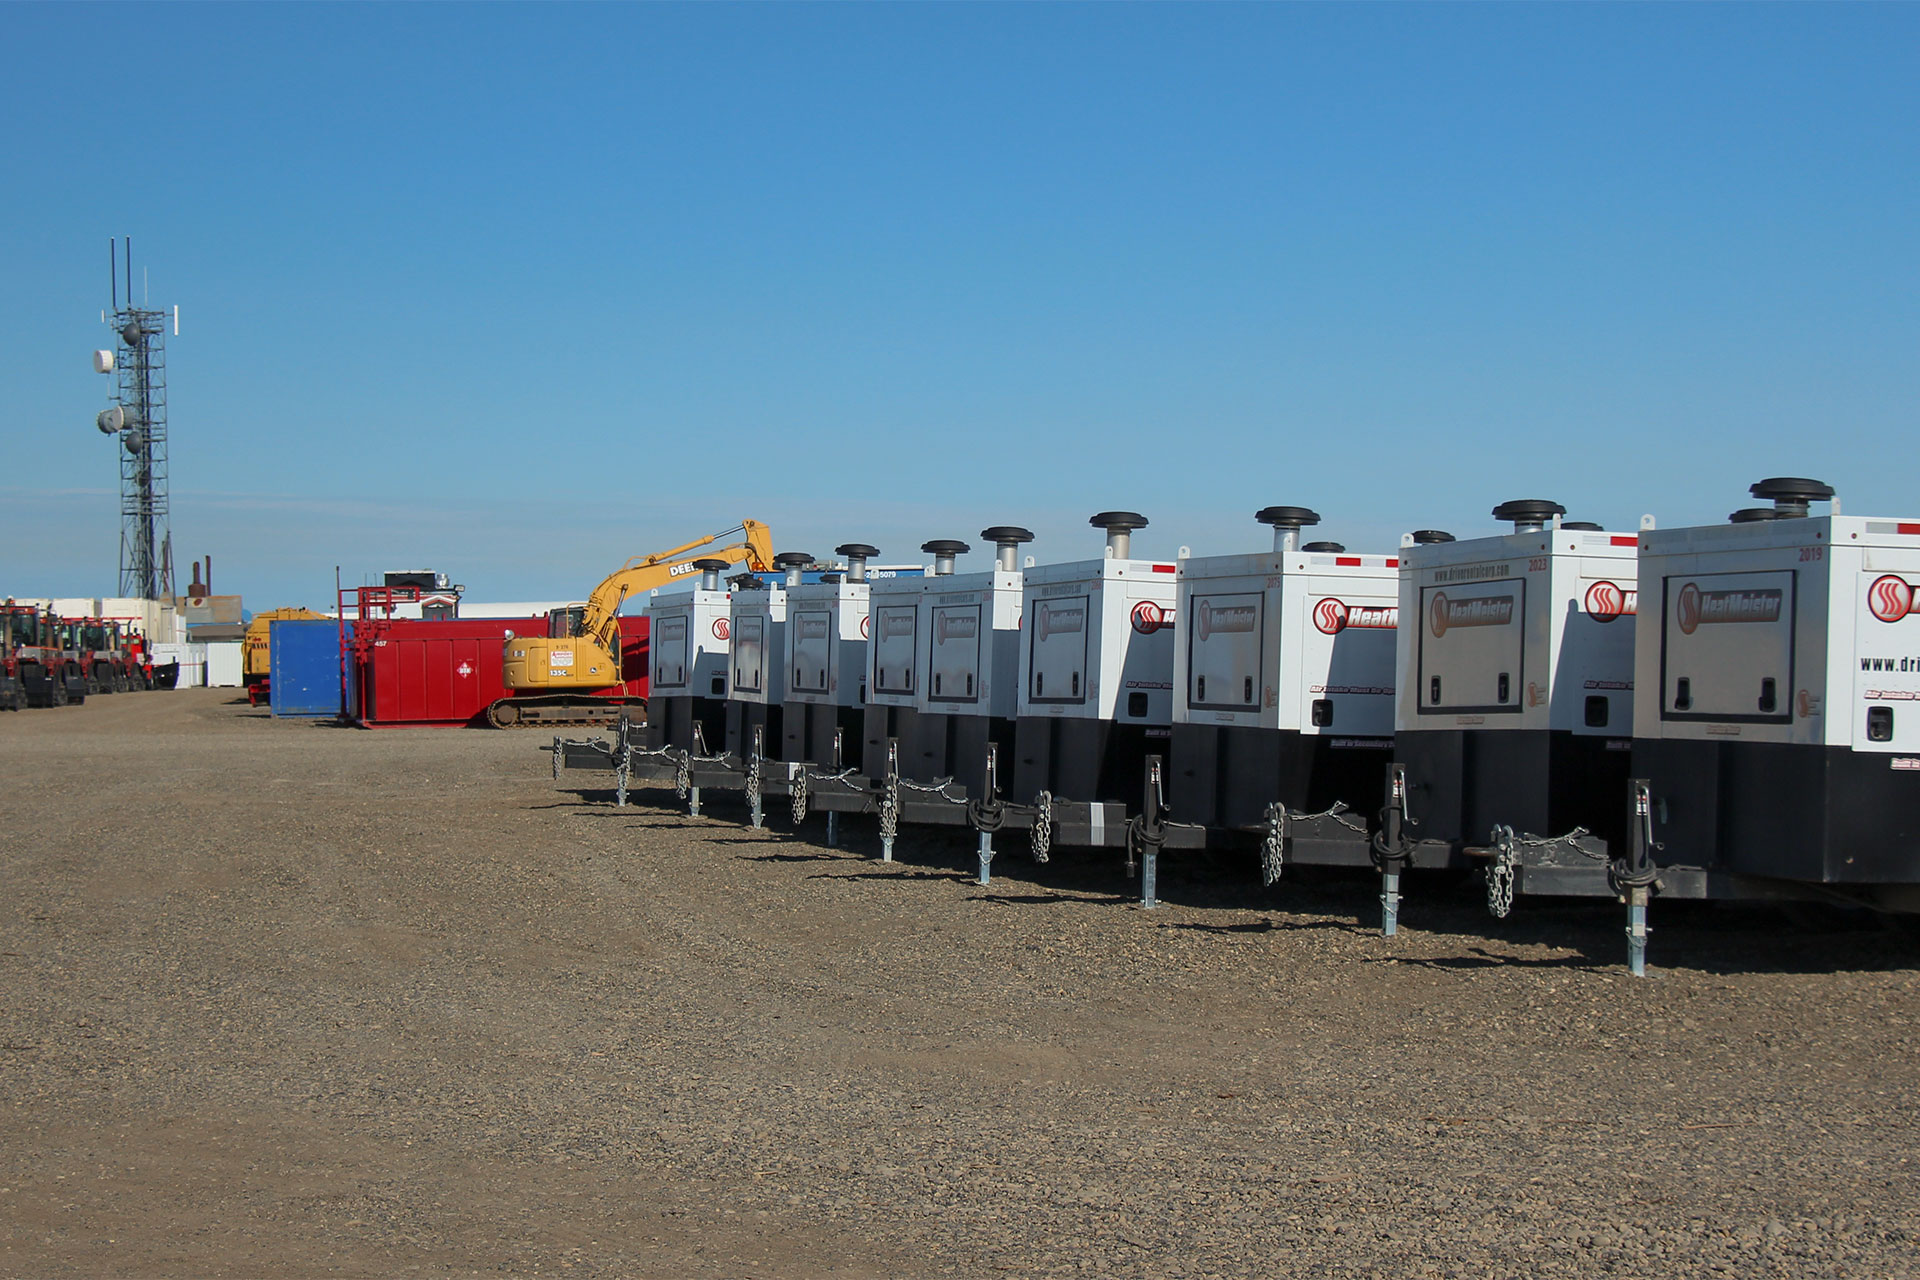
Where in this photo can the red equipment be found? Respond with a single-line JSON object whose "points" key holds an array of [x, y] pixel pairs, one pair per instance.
{"points": [[409, 672]]}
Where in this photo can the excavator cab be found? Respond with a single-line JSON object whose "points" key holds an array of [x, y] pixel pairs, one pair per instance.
{"points": [[564, 624]]}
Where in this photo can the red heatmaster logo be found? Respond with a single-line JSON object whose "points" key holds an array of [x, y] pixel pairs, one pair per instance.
{"points": [[1227, 618], [1477, 611], [1331, 617], [1890, 598], [1149, 617], [721, 629], [1609, 600], [1697, 606]]}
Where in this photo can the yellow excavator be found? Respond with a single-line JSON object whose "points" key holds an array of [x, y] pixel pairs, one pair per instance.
{"points": [[571, 675]]}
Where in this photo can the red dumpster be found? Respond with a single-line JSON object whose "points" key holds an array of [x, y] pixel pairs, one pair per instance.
{"points": [[448, 673]]}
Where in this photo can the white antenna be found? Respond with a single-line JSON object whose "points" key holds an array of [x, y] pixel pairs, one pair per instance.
{"points": [[176, 319]]}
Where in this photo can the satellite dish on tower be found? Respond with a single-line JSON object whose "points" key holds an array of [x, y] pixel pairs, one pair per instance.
{"points": [[103, 362], [111, 420]]}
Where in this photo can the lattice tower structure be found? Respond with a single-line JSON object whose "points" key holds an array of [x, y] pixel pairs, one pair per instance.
{"points": [[145, 538]]}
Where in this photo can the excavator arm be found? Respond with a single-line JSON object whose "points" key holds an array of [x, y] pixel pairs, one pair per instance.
{"points": [[564, 676], [643, 573]]}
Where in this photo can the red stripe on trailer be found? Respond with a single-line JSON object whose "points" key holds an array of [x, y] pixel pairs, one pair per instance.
{"points": [[1163, 568], [1393, 562], [1904, 527], [1625, 540], [1352, 560]]}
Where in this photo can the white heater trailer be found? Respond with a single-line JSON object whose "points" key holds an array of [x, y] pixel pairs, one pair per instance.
{"points": [[1283, 698], [1778, 724], [1095, 697], [1514, 708]]}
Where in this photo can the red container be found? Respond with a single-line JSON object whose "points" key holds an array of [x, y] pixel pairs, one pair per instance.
{"points": [[633, 655], [448, 673]]}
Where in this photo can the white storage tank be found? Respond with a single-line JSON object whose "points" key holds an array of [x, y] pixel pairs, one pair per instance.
{"points": [[223, 664]]}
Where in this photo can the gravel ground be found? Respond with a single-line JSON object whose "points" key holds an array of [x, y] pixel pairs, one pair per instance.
{"points": [[288, 999]]}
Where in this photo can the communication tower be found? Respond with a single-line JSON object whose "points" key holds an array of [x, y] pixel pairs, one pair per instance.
{"points": [[138, 420]]}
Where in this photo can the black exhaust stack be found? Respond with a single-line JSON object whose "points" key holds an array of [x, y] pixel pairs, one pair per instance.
{"points": [[1119, 526], [1287, 523], [1006, 540], [710, 573], [943, 550], [792, 562], [1529, 515]]}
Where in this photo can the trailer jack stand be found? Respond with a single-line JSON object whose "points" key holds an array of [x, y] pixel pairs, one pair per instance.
{"points": [[1637, 932], [1392, 848], [1389, 903], [1149, 833], [1635, 876], [986, 857], [833, 829]]}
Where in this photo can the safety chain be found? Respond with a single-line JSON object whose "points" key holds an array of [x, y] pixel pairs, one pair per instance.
{"points": [[938, 788], [1571, 840], [1043, 826], [683, 775], [1273, 848], [753, 781], [798, 786], [560, 746], [890, 808], [1500, 875], [649, 753]]}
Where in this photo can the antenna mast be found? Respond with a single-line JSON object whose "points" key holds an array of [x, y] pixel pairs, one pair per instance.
{"points": [[138, 421]]}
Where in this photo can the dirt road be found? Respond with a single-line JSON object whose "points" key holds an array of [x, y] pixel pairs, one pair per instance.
{"points": [[289, 1000]]}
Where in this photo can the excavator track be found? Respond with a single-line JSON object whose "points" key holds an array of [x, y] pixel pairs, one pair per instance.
{"points": [[541, 711]]}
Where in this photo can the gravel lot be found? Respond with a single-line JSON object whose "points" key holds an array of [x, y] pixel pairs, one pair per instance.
{"points": [[289, 999]]}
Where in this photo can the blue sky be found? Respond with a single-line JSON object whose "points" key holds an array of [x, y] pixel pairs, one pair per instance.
{"points": [[516, 292]]}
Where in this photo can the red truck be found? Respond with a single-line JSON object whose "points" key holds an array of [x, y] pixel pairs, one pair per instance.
{"points": [[108, 660], [47, 671]]}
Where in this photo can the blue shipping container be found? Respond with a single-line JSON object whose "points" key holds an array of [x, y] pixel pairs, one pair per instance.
{"points": [[303, 667]]}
